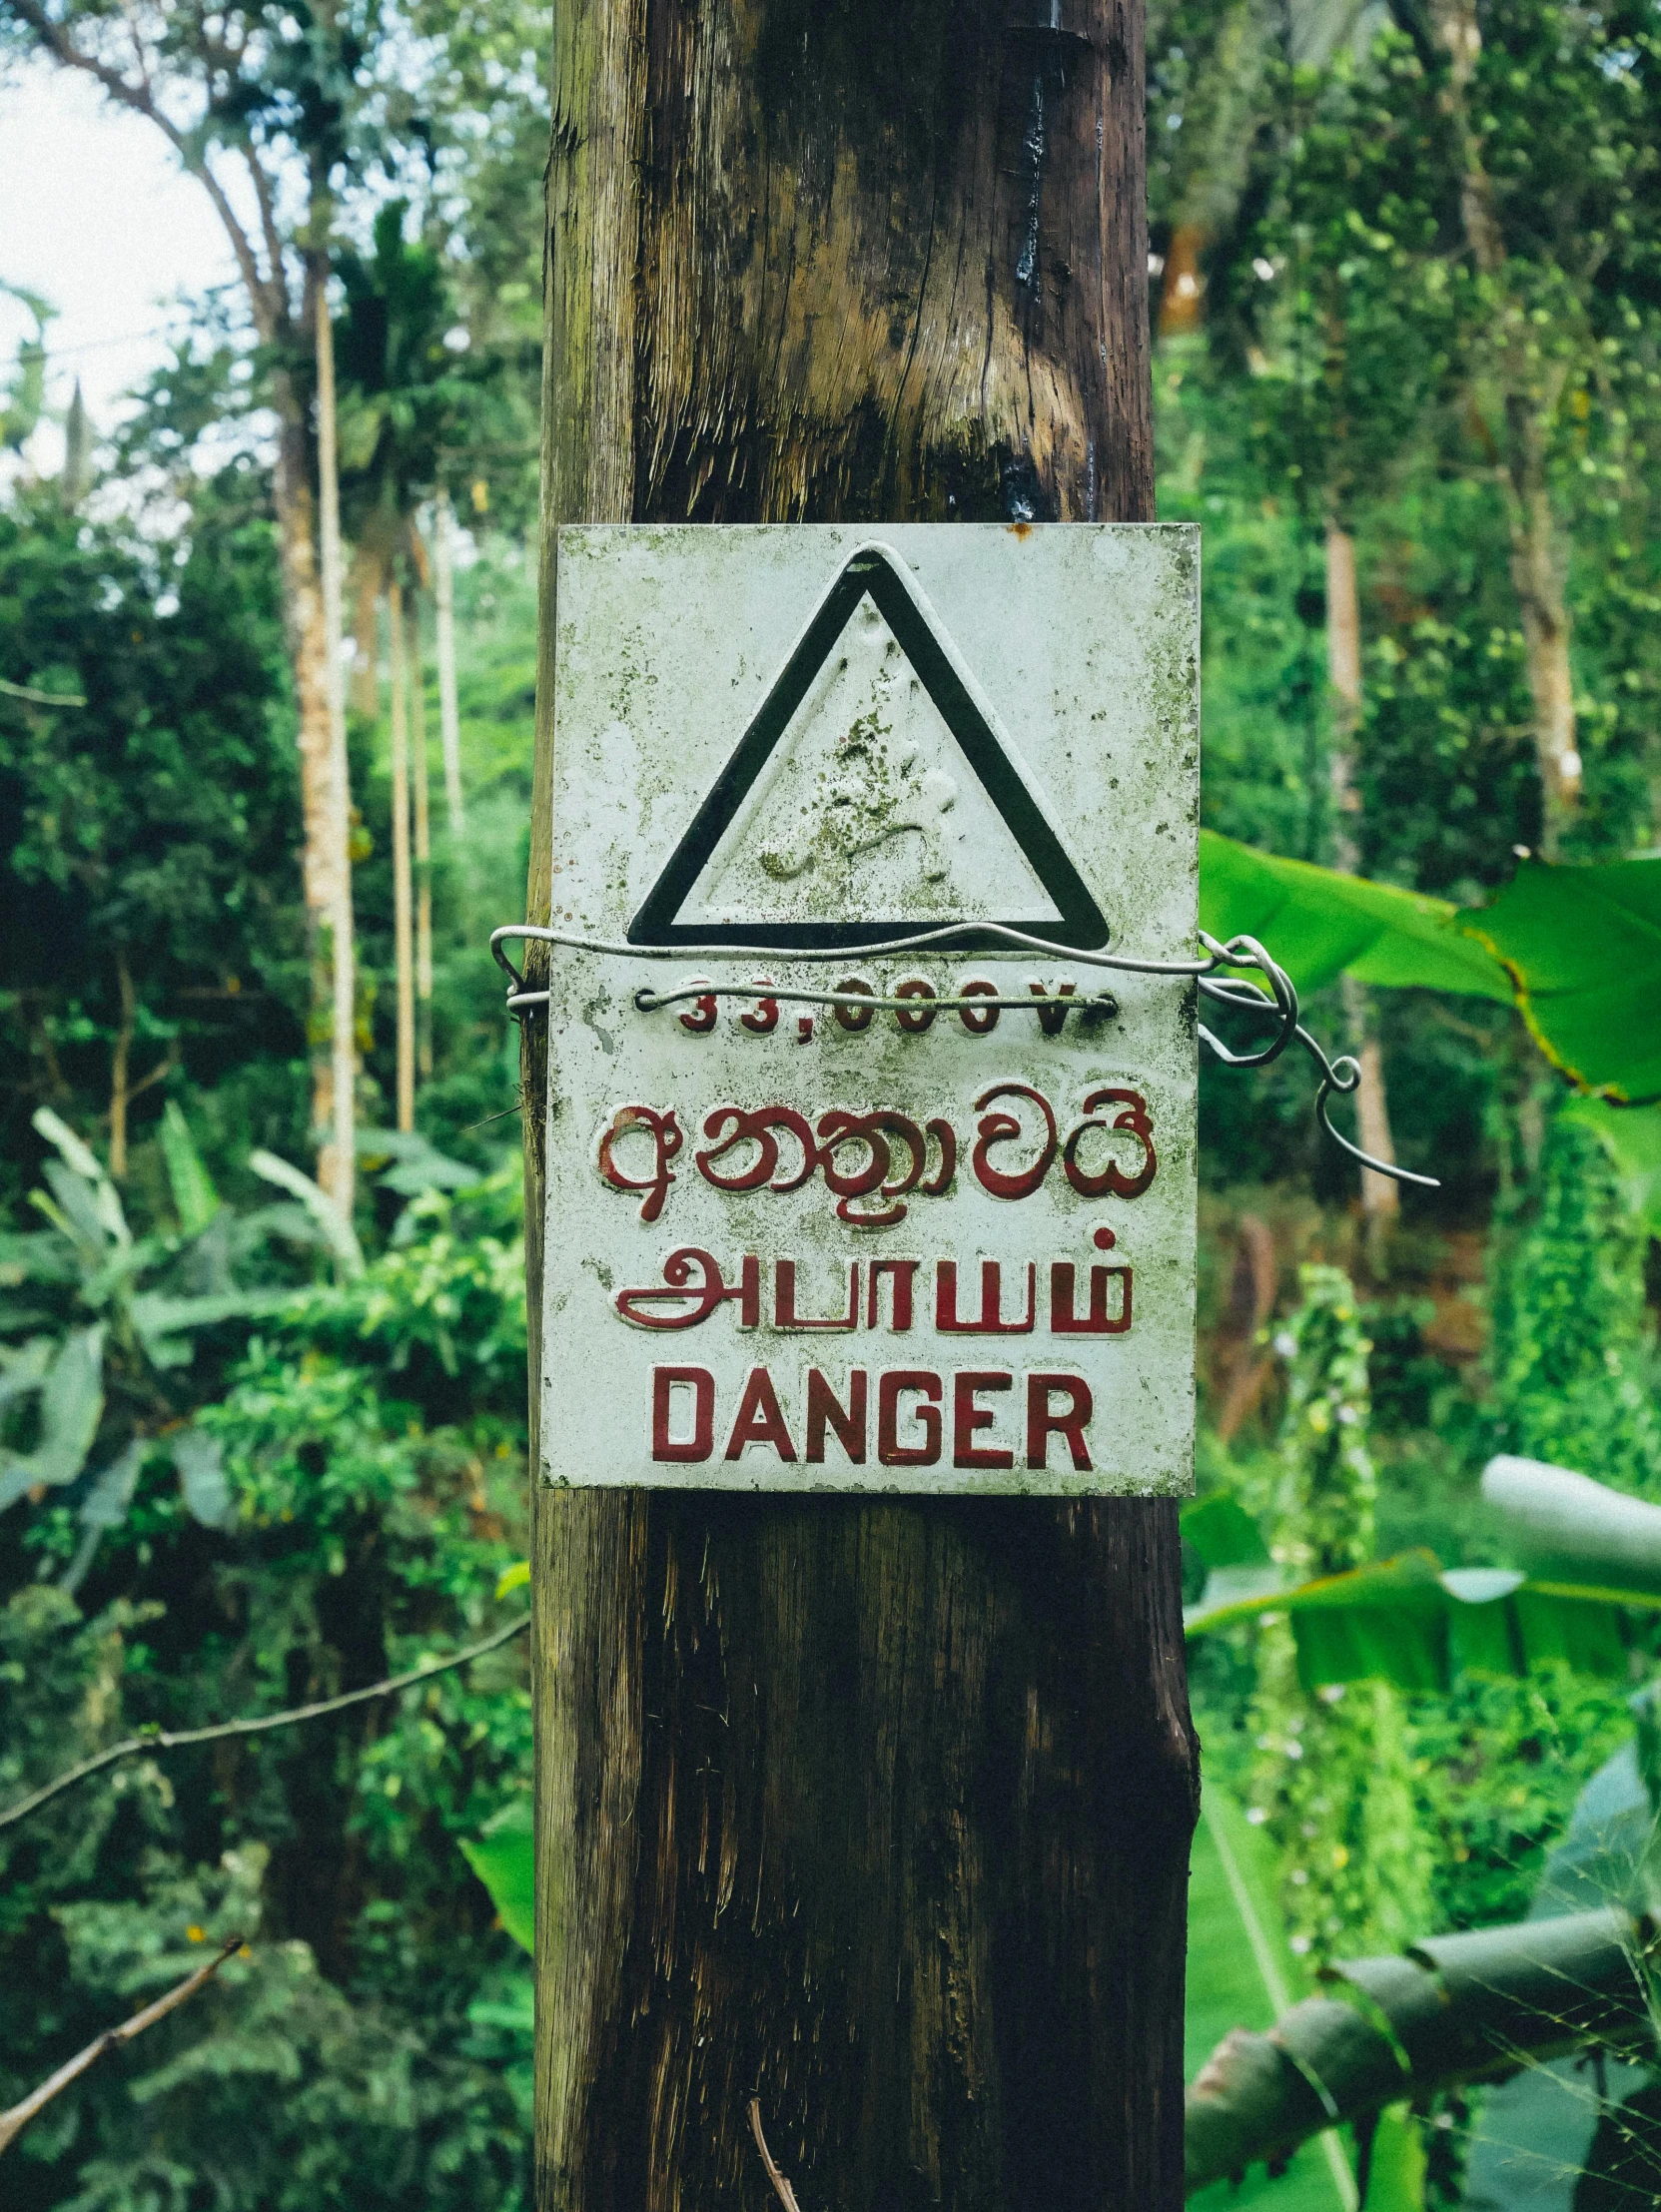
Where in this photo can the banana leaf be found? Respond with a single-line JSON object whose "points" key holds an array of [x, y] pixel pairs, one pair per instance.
{"points": [[1631, 1136], [71, 1406], [1241, 1970], [1411, 1622], [1320, 925], [1578, 949], [1583, 947], [1594, 1561], [503, 1855], [339, 1231], [1541, 2138], [195, 1199], [1454, 2009]]}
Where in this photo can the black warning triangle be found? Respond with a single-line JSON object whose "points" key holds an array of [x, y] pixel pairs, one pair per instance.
{"points": [[871, 572]]}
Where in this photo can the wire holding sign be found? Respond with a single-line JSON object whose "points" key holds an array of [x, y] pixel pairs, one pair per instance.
{"points": [[1278, 1003]]}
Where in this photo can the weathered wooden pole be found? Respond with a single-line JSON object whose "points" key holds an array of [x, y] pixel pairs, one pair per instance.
{"points": [[876, 1810]]}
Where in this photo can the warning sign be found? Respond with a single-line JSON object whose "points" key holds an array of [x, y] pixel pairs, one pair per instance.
{"points": [[864, 1173]]}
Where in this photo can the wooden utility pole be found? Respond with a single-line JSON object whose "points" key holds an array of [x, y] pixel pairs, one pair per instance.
{"points": [[878, 1812]]}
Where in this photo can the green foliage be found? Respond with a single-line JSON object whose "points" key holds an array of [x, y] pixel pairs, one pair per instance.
{"points": [[1632, 1138], [148, 833], [1573, 1359], [409, 404], [1497, 1766], [375, 2044], [1330, 1777], [129, 1317], [1241, 1973], [1323, 1507]]}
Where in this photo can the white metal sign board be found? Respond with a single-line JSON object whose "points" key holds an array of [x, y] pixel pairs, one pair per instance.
{"points": [[798, 1237]]}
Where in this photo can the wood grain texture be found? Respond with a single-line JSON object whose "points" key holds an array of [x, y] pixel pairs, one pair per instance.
{"points": [[877, 1811]]}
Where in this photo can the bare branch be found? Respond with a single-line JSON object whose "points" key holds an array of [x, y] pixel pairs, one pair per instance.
{"points": [[13, 2124], [55, 39], [781, 2188], [165, 1739], [41, 698], [267, 222]]}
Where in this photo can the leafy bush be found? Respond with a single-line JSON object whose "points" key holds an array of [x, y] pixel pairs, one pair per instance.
{"points": [[373, 2047]]}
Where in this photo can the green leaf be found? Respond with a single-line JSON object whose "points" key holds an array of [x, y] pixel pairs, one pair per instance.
{"points": [[37, 1258], [71, 1406], [1405, 1621], [73, 1209], [159, 1320], [514, 2011], [335, 1227], [1593, 1554], [200, 1460], [85, 1163], [516, 1577], [416, 1164], [24, 1369], [1241, 1973], [1632, 1138], [1320, 925], [1574, 1532], [195, 1199], [104, 1505], [1224, 1532], [503, 1857], [1395, 2182], [1454, 2008], [1584, 947]]}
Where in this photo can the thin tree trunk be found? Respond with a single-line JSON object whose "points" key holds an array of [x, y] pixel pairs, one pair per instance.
{"points": [[336, 1164], [368, 572], [1381, 1199], [404, 950], [449, 711], [1530, 395], [424, 849], [1537, 575], [325, 802], [323, 856], [877, 1811], [120, 1068]]}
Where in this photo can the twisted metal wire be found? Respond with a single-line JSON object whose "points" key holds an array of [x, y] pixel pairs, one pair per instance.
{"points": [[1277, 1002]]}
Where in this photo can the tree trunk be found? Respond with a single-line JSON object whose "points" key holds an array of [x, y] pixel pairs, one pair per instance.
{"points": [[368, 575], [120, 1068], [449, 712], [324, 857], [336, 1159], [877, 1811], [1380, 1197], [1529, 401], [424, 849], [403, 946], [1538, 575]]}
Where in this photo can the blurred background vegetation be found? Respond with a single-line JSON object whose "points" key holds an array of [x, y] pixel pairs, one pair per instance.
{"points": [[1407, 281]]}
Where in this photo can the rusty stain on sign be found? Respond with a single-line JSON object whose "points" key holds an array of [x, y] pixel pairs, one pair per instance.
{"points": [[819, 1242]]}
